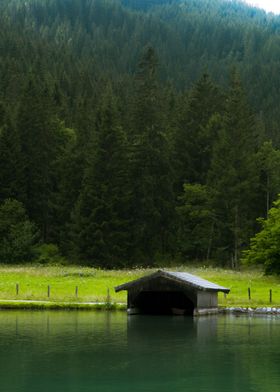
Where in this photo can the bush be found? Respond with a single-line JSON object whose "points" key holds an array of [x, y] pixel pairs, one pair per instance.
{"points": [[265, 246], [48, 254], [17, 233]]}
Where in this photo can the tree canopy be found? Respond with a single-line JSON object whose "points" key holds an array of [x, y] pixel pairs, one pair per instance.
{"points": [[265, 245], [138, 131]]}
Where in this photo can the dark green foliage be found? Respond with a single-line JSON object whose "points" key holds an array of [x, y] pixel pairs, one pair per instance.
{"points": [[71, 43], [100, 229], [146, 4], [233, 173], [17, 233], [268, 165], [196, 222], [195, 135], [47, 254], [121, 161], [11, 173], [265, 246], [152, 202], [41, 138]]}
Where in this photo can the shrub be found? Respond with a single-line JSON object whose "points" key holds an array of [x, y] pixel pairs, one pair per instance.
{"points": [[48, 254], [17, 233], [265, 246]]}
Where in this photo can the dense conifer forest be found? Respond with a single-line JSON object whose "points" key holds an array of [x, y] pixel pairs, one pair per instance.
{"points": [[137, 131]]}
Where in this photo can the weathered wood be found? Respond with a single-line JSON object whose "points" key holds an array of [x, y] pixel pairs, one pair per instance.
{"points": [[171, 292], [108, 298]]}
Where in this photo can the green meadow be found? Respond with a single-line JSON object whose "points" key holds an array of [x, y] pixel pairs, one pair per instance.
{"points": [[75, 284]]}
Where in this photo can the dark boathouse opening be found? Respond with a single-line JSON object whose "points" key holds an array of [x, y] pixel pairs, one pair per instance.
{"points": [[163, 303]]}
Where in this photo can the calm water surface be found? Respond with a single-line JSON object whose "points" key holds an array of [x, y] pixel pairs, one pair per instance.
{"points": [[107, 352]]}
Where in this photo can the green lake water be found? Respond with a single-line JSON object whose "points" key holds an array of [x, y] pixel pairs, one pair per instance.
{"points": [[107, 352]]}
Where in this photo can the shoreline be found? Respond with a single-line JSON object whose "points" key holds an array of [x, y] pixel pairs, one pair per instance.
{"points": [[50, 305], [265, 310]]}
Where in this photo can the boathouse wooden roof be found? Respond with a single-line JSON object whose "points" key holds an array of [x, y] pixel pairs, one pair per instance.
{"points": [[182, 278]]}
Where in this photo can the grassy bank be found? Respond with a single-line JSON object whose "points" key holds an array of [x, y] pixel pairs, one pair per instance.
{"points": [[93, 285], [56, 305]]}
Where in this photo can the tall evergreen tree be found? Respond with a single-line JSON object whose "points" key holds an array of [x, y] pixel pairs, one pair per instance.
{"points": [[101, 218], [11, 175], [268, 164], [152, 204], [195, 222], [195, 138], [38, 130], [233, 172]]}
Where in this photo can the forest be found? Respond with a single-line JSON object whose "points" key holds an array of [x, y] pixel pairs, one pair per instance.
{"points": [[137, 131]]}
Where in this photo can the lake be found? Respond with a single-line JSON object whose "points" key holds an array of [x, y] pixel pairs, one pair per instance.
{"points": [[107, 352]]}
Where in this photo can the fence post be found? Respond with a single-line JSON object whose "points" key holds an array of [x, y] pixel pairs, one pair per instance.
{"points": [[76, 291], [17, 288], [108, 299], [249, 293], [49, 291], [270, 296]]}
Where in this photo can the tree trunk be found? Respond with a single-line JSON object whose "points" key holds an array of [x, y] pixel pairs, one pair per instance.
{"points": [[236, 237], [267, 195], [210, 242]]}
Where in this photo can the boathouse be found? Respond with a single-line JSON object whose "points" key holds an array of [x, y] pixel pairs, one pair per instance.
{"points": [[165, 292]]}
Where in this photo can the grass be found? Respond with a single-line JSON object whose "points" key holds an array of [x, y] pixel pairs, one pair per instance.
{"points": [[33, 283], [93, 285], [50, 305]]}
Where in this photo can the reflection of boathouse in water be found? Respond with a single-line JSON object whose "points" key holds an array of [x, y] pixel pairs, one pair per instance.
{"points": [[165, 292]]}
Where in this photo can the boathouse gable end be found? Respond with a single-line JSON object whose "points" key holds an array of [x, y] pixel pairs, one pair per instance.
{"points": [[166, 292]]}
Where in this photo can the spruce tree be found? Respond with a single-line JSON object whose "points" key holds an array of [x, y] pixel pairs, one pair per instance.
{"points": [[100, 228], [194, 138], [11, 175], [152, 203], [195, 222], [38, 129], [268, 165], [233, 174]]}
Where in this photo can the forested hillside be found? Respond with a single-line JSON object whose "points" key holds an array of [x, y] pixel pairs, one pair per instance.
{"points": [[133, 132]]}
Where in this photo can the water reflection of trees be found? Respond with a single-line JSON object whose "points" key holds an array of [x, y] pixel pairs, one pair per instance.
{"points": [[62, 351]]}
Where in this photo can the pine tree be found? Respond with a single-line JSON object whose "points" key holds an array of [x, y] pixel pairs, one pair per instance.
{"points": [[152, 203], [195, 222], [11, 176], [195, 138], [233, 174], [38, 130], [268, 164], [101, 218]]}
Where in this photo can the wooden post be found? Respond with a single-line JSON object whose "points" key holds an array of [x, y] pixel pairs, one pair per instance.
{"points": [[270, 296], [17, 288], [76, 291], [49, 291], [108, 299], [225, 295], [249, 293]]}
